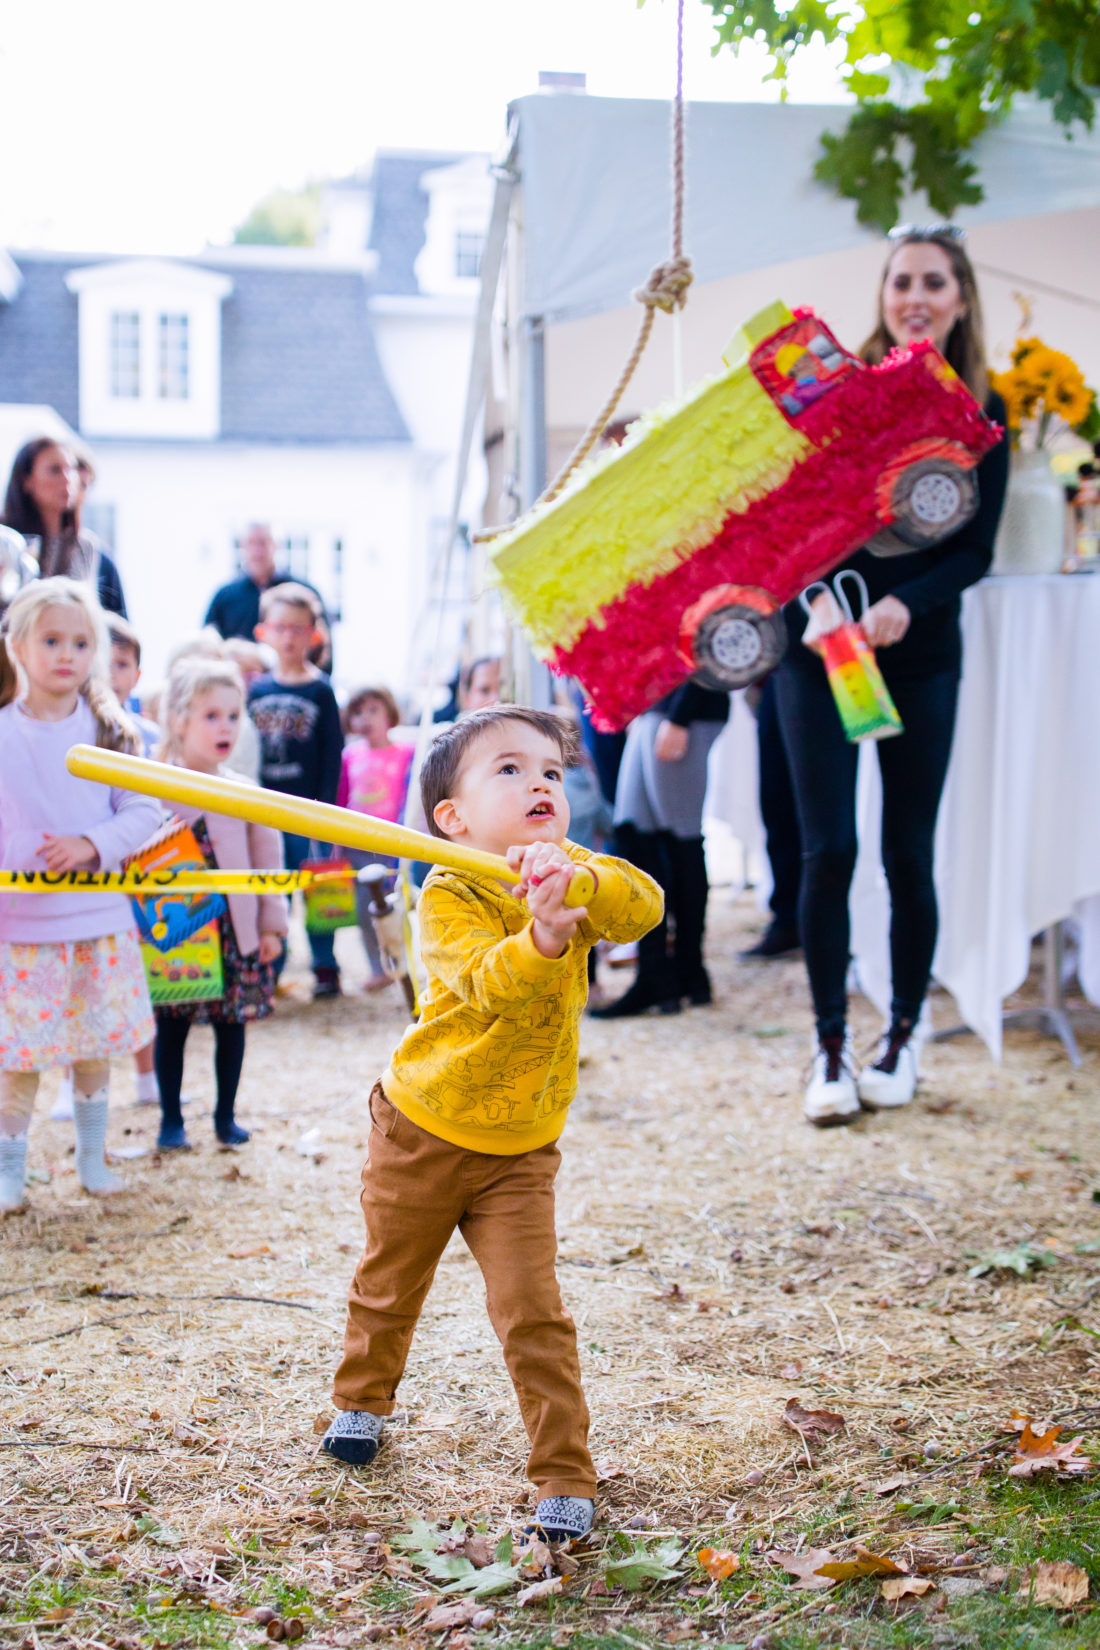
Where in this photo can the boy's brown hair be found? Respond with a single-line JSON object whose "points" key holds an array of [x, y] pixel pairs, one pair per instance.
{"points": [[123, 634], [443, 763], [290, 595], [359, 698]]}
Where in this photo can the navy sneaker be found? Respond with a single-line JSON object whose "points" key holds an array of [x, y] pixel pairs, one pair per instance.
{"points": [[354, 1437]]}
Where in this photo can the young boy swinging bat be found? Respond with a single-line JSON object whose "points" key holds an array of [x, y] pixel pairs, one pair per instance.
{"points": [[466, 1118]]}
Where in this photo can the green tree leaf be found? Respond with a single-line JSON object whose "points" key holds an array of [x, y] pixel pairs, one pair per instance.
{"points": [[642, 1565], [968, 64], [286, 217]]}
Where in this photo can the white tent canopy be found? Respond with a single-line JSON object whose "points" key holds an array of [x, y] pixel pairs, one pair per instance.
{"points": [[594, 174]]}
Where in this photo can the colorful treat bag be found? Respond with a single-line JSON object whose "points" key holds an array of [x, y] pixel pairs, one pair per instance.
{"points": [[329, 895], [862, 697], [191, 972], [180, 939]]}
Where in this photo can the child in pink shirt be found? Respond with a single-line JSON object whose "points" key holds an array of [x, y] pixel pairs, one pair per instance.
{"points": [[374, 779]]}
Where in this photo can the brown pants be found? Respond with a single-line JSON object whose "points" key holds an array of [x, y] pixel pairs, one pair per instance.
{"points": [[416, 1190]]}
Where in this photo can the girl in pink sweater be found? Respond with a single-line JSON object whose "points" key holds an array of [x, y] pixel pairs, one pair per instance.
{"points": [[374, 779], [203, 706], [72, 984]]}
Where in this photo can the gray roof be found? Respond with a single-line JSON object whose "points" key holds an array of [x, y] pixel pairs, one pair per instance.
{"points": [[38, 339], [400, 214], [299, 359]]}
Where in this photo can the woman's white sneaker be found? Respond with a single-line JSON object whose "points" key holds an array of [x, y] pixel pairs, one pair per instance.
{"points": [[831, 1097], [890, 1080]]}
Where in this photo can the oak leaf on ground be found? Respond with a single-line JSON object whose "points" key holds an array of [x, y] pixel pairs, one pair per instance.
{"points": [[806, 1566], [806, 1422], [542, 1589], [533, 1559], [480, 1550], [897, 1587], [1055, 1582], [1041, 1452], [865, 1563], [900, 1481], [717, 1562], [463, 1614]]}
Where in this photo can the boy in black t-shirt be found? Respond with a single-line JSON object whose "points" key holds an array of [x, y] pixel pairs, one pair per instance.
{"points": [[298, 721]]}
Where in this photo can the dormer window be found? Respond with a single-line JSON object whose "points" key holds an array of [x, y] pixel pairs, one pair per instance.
{"points": [[459, 201], [150, 349], [469, 244], [173, 361], [173, 335], [125, 354]]}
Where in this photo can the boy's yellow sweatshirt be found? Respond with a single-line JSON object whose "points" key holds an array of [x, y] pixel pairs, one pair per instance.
{"points": [[491, 1064]]}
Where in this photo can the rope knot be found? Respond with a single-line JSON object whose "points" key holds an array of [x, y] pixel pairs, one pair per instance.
{"points": [[667, 285]]}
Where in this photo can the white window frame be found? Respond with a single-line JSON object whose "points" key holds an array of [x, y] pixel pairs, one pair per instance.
{"points": [[174, 355], [459, 204], [152, 289], [125, 375], [467, 238]]}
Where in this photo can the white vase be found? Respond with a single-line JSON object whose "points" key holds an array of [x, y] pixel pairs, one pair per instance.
{"points": [[1031, 538]]}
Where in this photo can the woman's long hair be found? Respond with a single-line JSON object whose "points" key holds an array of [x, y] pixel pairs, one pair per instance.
{"points": [[114, 729], [66, 556], [965, 346]]}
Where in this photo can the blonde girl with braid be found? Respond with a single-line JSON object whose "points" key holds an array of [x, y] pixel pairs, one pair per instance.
{"points": [[201, 715], [72, 985]]}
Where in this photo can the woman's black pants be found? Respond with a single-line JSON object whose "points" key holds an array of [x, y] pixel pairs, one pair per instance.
{"points": [[823, 769]]}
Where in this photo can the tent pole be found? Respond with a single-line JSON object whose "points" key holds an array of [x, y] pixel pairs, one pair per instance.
{"points": [[533, 679], [533, 437]]}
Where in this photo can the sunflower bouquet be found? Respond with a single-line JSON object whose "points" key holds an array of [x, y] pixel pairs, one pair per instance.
{"points": [[1045, 392]]}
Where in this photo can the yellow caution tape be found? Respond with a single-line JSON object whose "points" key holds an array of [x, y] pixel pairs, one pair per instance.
{"points": [[161, 882]]}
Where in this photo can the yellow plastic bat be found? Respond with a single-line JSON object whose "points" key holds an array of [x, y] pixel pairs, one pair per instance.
{"points": [[321, 821]]}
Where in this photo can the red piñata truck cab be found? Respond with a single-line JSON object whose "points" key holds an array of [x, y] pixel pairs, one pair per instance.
{"points": [[672, 555]]}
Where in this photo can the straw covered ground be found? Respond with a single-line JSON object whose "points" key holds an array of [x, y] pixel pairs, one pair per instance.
{"points": [[166, 1356]]}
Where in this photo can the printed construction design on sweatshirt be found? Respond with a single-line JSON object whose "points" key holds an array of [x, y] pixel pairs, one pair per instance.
{"points": [[492, 1062]]}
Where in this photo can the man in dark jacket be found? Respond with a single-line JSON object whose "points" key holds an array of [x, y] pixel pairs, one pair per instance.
{"points": [[235, 608]]}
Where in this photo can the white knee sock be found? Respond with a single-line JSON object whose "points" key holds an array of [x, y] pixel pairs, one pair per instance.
{"points": [[90, 1120], [148, 1094], [13, 1172], [62, 1107]]}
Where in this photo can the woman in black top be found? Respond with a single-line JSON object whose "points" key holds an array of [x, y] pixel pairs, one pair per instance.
{"points": [[928, 291], [42, 503], [659, 828]]}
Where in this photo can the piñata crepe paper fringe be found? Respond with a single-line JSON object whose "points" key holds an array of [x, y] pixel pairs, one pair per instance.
{"points": [[627, 655], [636, 513]]}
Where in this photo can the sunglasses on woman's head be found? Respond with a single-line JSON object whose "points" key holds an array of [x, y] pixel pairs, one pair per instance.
{"points": [[926, 232]]}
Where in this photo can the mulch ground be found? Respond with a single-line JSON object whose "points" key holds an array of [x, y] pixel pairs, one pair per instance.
{"points": [[165, 1357]]}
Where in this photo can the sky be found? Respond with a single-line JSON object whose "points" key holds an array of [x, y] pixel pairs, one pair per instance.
{"points": [[151, 126]]}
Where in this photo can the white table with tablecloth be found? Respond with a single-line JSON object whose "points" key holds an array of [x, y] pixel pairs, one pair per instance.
{"points": [[1018, 841]]}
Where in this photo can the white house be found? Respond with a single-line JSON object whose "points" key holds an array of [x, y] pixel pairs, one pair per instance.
{"points": [[319, 389]]}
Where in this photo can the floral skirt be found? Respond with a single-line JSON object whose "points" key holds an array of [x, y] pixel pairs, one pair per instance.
{"points": [[72, 1000]]}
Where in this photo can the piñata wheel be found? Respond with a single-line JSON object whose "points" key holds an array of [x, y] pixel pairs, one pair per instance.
{"points": [[928, 492], [733, 636]]}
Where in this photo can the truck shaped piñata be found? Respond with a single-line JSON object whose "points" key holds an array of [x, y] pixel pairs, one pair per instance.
{"points": [[671, 556]]}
